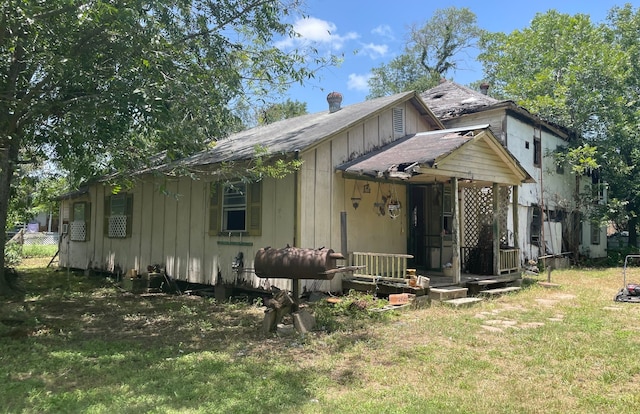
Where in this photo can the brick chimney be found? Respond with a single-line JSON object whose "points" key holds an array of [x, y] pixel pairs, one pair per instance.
{"points": [[484, 88], [334, 99]]}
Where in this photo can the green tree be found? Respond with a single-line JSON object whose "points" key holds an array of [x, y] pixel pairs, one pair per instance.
{"points": [[104, 84], [430, 53], [583, 76], [282, 110]]}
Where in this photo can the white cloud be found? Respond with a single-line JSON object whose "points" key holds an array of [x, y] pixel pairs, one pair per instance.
{"points": [[375, 51], [383, 30], [359, 82], [318, 31]]}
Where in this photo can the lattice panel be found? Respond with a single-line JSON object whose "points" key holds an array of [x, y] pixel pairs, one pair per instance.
{"points": [[478, 213], [118, 226], [78, 230], [478, 209]]}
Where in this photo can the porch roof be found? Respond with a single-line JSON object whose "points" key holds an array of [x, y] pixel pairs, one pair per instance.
{"points": [[469, 152]]}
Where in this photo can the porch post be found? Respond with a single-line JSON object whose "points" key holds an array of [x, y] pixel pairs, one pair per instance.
{"points": [[496, 228], [516, 223], [455, 232]]}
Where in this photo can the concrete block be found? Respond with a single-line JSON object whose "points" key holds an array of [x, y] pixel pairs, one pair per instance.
{"points": [[446, 293], [269, 321], [303, 321]]}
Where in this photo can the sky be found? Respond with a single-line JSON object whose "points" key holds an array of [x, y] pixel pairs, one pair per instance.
{"points": [[370, 33]]}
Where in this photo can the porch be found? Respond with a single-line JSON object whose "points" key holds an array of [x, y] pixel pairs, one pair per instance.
{"points": [[385, 273]]}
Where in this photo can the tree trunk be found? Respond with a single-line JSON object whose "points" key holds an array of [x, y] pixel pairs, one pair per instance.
{"points": [[633, 231], [5, 192]]}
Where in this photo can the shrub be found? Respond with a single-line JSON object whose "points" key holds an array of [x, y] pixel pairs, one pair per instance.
{"points": [[12, 254]]}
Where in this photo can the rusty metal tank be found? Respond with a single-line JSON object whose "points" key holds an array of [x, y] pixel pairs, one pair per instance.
{"points": [[296, 263]]}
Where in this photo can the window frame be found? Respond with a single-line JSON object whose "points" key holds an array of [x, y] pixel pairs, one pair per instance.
{"points": [[219, 208], [126, 211], [535, 227], [537, 151], [86, 218]]}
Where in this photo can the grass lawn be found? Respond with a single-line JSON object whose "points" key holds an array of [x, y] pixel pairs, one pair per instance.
{"points": [[76, 343]]}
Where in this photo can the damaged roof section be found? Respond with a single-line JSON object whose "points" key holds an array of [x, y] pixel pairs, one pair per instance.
{"points": [[449, 99], [459, 152]]}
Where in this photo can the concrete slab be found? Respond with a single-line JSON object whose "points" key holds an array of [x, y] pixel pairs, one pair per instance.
{"points": [[447, 292], [461, 302], [499, 291]]}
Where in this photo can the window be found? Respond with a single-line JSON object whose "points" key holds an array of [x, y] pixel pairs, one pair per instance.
{"points": [[595, 232], [598, 188], [537, 152], [79, 225], [559, 163], [536, 225], [118, 215], [235, 208], [398, 122]]}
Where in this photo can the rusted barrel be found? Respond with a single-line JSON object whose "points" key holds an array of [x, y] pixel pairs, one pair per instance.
{"points": [[296, 263]]}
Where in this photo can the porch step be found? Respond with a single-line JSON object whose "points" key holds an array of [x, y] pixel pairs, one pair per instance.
{"points": [[499, 291], [461, 302], [447, 293], [476, 287]]}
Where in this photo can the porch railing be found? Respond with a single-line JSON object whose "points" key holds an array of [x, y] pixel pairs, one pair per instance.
{"points": [[480, 261], [389, 265], [509, 260]]}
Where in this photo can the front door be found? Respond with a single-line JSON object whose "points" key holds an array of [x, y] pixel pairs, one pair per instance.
{"points": [[428, 226]]}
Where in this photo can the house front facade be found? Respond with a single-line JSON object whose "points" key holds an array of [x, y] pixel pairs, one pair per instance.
{"points": [[379, 176]]}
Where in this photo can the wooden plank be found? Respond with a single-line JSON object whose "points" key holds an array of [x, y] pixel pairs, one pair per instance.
{"points": [[169, 225], [146, 224], [198, 230]]}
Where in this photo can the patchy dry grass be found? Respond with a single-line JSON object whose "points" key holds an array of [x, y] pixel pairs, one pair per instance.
{"points": [[78, 344]]}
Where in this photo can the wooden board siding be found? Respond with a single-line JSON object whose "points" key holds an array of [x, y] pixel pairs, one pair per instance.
{"points": [[495, 118], [173, 230], [480, 161], [155, 206], [197, 230], [146, 223], [183, 227], [325, 194]]}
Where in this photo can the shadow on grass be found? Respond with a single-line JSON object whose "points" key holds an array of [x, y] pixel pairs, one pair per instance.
{"points": [[85, 345]]}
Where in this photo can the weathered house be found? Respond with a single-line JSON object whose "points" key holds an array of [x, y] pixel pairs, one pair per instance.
{"points": [[551, 210], [381, 176]]}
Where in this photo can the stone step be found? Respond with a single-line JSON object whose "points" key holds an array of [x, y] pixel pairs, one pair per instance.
{"points": [[499, 291], [447, 292], [461, 302]]}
